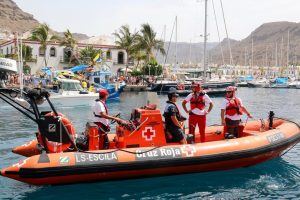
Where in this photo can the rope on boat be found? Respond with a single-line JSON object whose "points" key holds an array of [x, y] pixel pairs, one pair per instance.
{"points": [[288, 121], [293, 123], [123, 150]]}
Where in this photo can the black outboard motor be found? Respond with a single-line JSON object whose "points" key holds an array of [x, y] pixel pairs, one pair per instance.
{"points": [[271, 117]]}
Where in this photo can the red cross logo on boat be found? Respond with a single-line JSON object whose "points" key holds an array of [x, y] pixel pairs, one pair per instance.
{"points": [[188, 150], [148, 133]]}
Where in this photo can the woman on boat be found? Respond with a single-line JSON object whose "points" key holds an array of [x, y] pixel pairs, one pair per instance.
{"points": [[197, 113], [231, 111], [173, 119], [101, 117]]}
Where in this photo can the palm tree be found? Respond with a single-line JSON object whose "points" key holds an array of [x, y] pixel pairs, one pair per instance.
{"points": [[139, 56], [42, 35], [126, 40], [88, 54], [148, 42], [70, 43]]}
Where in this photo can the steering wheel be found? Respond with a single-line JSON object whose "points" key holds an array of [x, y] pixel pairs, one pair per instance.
{"points": [[114, 121]]}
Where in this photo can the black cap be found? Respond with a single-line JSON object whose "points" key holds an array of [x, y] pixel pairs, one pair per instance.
{"points": [[172, 91]]}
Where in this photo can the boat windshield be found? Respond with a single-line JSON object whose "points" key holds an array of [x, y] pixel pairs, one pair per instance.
{"points": [[71, 86]]}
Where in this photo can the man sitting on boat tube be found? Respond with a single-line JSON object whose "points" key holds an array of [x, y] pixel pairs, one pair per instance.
{"points": [[231, 111], [101, 117], [173, 120], [197, 114]]}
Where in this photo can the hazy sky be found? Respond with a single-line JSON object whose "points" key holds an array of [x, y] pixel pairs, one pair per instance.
{"points": [[98, 17]]}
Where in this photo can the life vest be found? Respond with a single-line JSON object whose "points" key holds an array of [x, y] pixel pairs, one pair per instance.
{"points": [[198, 101], [56, 147], [233, 107], [99, 116], [167, 115], [105, 128]]}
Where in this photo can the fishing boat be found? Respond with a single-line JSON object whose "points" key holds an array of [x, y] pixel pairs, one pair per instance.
{"points": [[280, 82], [259, 83], [139, 148]]}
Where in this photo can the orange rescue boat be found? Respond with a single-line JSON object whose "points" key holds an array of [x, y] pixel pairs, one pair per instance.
{"points": [[141, 149]]}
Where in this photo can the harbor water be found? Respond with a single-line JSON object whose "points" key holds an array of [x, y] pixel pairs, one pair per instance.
{"points": [[276, 179]]}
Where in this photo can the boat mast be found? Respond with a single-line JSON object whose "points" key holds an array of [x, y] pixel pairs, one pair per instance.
{"points": [[213, 4], [281, 53], [21, 68], [204, 43], [287, 49], [176, 61], [245, 54], [228, 41], [252, 52], [276, 55], [190, 53]]}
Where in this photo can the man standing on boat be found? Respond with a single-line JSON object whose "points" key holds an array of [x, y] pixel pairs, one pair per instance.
{"points": [[174, 121], [231, 111], [101, 118], [198, 100]]}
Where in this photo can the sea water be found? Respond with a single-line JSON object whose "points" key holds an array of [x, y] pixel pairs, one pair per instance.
{"points": [[276, 179]]}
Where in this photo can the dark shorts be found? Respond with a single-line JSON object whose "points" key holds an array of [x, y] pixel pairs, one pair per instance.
{"points": [[233, 126], [177, 133]]}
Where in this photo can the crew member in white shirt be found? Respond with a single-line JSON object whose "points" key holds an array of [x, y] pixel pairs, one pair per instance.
{"points": [[199, 101], [231, 110]]}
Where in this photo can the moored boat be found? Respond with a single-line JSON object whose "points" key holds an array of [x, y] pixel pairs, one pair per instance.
{"points": [[68, 88]]}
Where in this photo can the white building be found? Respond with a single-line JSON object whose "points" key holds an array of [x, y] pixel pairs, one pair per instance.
{"points": [[56, 57]]}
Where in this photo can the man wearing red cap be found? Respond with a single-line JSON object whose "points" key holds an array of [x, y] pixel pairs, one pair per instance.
{"points": [[101, 116], [197, 114], [231, 111]]}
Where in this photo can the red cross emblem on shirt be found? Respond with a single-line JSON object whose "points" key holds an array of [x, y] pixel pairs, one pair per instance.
{"points": [[188, 150], [148, 133]]}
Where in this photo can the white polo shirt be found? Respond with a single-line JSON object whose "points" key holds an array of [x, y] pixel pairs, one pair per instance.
{"points": [[98, 108], [225, 103], [197, 111]]}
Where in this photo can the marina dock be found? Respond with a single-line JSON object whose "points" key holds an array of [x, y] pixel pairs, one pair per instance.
{"points": [[135, 88]]}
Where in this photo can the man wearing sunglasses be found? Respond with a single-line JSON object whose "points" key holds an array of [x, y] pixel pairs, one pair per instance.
{"points": [[174, 121], [198, 100], [231, 111]]}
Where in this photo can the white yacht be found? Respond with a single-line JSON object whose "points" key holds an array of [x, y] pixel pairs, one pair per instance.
{"points": [[6, 66], [70, 88]]}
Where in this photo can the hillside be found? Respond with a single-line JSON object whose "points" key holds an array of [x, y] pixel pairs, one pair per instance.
{"points": [[13, 19], [265, 39]]}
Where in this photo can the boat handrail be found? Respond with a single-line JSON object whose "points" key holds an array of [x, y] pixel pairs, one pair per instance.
{"points": [[138, 127]]}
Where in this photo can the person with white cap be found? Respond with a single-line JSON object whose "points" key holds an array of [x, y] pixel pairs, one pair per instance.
{"points": [[231, 111]]}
